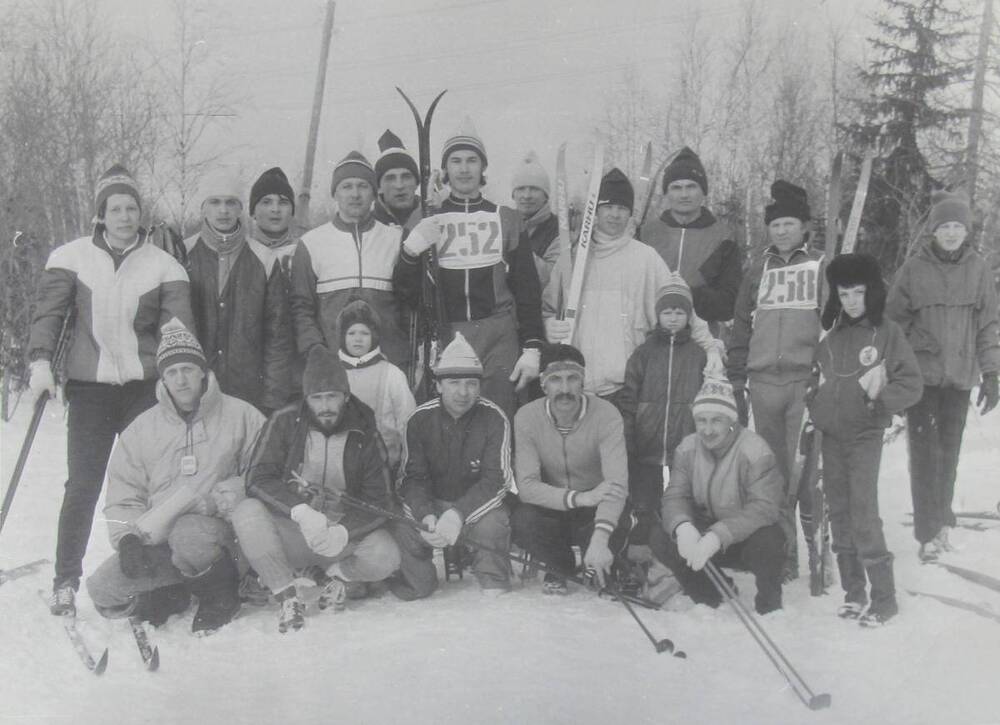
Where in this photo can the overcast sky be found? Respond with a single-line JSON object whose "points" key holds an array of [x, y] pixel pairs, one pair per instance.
{"points": [[531, 74]]}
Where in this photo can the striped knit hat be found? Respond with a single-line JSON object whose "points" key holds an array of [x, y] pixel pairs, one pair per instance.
{"points": [[177, 345], [464, 138], [352, 166], [458, 360], [392, 155], [715, 396], [116, 180], [675, 294]]}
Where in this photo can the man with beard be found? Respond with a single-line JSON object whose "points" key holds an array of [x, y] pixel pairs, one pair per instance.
{"points": [[572, 473], [308, 455]]}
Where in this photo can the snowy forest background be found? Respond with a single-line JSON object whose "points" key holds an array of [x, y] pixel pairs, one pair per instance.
{"points": [[760, 96]]}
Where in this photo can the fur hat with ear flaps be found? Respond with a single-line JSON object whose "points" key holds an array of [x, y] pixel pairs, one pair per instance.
{"points": [[849, 270]]}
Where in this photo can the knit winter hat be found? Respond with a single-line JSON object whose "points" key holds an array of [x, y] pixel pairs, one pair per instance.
{"points": [[676, 294], [352, 166], [177, 344], [616, 189], [789, 201], [685, 166], [393, 155], [458, 360], [358, 312], [949, 207], [221, 183], [464, 138], [715, 396], [324, 373], [116, 180], [849, 270], [530, 173], [272, 181]]}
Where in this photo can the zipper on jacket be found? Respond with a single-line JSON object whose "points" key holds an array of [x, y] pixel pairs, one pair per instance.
{"points": [[468, 302], [357, 244], [680, 251], [670, 380]]}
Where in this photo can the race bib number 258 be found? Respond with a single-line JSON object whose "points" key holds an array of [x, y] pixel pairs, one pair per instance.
{"points": [[794, 287], [475, 241]]}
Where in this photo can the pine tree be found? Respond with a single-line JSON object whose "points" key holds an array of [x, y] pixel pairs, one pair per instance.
{"points": [[909, 118]]}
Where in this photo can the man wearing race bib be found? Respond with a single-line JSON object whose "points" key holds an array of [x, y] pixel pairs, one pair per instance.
{"points": [[489, 284], [775, 334]]}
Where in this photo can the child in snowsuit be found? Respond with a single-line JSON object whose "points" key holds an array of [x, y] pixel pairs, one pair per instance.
{"points": [[866, 373], [375, 381], [945, 300], [662, 378]]}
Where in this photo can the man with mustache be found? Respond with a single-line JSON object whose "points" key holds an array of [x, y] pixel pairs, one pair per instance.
{"points": [[572, 473]]}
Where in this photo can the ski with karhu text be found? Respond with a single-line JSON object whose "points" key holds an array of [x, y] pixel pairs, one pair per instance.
{"points": [[68, 622]]}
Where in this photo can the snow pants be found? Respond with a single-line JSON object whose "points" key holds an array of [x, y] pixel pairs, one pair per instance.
{"points": [[645, 490], [778, 412], [549, 535], [495, 341], [193, 545], [934, 428], [761, 553], [97, 413], [492, 531], [275, 548]]}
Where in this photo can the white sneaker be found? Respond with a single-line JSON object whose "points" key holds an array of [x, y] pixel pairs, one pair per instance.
{"points": [[334, 595]]}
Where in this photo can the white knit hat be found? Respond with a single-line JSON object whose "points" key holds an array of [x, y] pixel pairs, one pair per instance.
{"points": [[221, 183], [459, 360], [529, 172]]}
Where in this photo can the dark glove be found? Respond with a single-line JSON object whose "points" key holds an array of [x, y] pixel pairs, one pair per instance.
{"points": [[742, 405], [989, 394], [133, 557]]}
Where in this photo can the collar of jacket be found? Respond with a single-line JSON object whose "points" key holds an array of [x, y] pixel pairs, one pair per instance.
{"points": [[579, 417], [844, 321], [270, 242], [772, 251], [390, 214], [705, 219], [210, 399], [927, 252], [464, 204], [370, 358], [223, 243], [603, 246], [101, 242], [662, 336], [531, 224], [362, 226]]}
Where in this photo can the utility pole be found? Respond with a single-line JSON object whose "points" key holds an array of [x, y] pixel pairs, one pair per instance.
{"points": [[978, 84], [302, 206]]}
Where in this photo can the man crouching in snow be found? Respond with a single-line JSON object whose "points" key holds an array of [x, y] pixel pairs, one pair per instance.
{"points": [[308, 456], [723, 496], [572, 473], [163, 482]]}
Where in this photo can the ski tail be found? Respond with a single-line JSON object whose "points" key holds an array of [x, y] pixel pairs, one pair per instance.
{"points": [[858, 207]]}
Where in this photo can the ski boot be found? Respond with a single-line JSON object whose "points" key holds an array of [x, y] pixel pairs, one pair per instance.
{"points": [[292, 612], [554, 586], [62, 601], [217, 590], [850, 610]]}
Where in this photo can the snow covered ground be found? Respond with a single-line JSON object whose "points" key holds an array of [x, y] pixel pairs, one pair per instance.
{"points": [[522, 658]]}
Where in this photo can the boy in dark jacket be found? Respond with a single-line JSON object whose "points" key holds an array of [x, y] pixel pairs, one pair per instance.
{"points": [[662, 378], [867, 372]]}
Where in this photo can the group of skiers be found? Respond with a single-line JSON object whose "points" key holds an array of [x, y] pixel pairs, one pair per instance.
{"points": [[267, 433]]}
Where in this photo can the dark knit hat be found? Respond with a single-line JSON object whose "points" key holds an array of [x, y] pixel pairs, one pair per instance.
{"points": [[716, 396], [560, 352], [789, 201], [178, 344], [464, 138], [675, 295], [949, 207], [358, 312], [324, 373], [685, 166], [616, 189], [272, 181], [393, 155], [116, 180], [352, 166], [849, 270]]}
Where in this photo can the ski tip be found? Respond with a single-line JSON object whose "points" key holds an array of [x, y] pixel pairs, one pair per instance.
{"points": [[154, 662], [102, 664], [819, 702]]}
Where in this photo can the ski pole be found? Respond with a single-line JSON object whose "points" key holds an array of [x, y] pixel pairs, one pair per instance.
{"points": [[802, 690], [660, 645], [36, 419]]}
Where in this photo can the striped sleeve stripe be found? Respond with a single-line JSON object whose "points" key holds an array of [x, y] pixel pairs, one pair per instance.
{"points": [[569, 499], [605, 525], [505, 466]]}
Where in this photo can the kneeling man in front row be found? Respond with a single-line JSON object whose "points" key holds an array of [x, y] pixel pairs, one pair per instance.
{"points": [[722, 504]]}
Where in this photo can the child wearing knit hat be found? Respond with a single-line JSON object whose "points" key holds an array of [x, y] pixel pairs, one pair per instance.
{"points": [[374, 381], [662, 377]]}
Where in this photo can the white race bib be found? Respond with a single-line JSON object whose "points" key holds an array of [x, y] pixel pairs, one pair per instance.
{"points": [[470, 241], [793, 287]]}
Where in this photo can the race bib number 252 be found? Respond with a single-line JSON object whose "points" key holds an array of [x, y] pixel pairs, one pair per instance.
{"points": [[794, 287], [475, 241]]}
